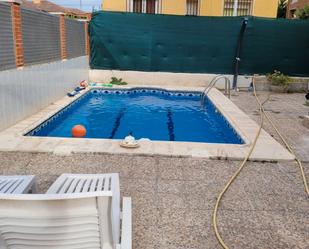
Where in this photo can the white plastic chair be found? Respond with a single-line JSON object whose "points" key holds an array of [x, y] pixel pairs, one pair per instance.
{"points": [[63, 221], [17, 184], [89, 183]]}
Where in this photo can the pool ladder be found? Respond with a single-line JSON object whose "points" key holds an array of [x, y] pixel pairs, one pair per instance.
{"points": [[213, 82]]}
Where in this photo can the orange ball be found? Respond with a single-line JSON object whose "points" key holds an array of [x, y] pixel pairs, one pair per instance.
{"points": [[79, 131]]}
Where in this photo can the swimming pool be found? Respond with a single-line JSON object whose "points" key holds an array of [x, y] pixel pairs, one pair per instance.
{"points": [[154, 114]]}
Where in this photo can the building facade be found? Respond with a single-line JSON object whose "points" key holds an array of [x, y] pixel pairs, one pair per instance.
{"points": [[294, 5], [261, 8]]}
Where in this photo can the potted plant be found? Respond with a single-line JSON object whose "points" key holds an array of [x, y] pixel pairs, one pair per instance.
{"points": [[303, 13], [279, 82], [116, 81]]}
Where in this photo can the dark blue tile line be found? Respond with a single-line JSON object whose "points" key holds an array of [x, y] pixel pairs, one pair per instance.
{"points": [[117, 122], [118, 91], [170, 125]]}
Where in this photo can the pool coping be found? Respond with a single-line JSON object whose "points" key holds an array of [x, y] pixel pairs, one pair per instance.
{"points": [[267, 148]]}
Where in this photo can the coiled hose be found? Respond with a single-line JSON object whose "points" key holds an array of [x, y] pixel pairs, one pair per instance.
{"points": [[242, 165]]}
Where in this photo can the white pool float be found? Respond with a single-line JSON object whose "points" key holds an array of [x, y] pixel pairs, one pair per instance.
{"points": [[129, 142]]}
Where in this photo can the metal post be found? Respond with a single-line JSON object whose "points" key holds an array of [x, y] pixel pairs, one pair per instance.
{"points": [[238, 50]]}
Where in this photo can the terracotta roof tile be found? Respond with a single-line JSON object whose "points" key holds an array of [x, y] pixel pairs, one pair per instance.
{"points": [[28, 4], [48, 6], [75, 11]]}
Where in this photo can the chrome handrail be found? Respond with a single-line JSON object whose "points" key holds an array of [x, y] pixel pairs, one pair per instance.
{"points": [[213, 82]]}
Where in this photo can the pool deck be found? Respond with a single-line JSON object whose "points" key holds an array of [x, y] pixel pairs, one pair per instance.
{"points": [[267, 149], [173, 197]]}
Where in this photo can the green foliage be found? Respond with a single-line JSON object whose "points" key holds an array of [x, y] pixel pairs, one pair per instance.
{"points": [[282, 8], [303, 13], [116, 81], [279, 79]]}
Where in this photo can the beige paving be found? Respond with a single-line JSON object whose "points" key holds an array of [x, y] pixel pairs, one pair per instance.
{"points": [[287, 112], [173, 198]]}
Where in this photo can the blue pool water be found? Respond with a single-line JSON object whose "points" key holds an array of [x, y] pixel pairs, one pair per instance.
{"points": [[148, 113]]}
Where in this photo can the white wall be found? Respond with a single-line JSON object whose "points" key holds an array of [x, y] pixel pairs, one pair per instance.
{"points": [[162, 78], [25, 91]]}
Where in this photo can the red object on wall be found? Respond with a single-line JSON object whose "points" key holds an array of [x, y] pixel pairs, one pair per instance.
{"points": [[83, 84]]}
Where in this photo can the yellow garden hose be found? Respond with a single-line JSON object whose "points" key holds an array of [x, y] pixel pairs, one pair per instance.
{"points": [[242, 165], [234, 177]]}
